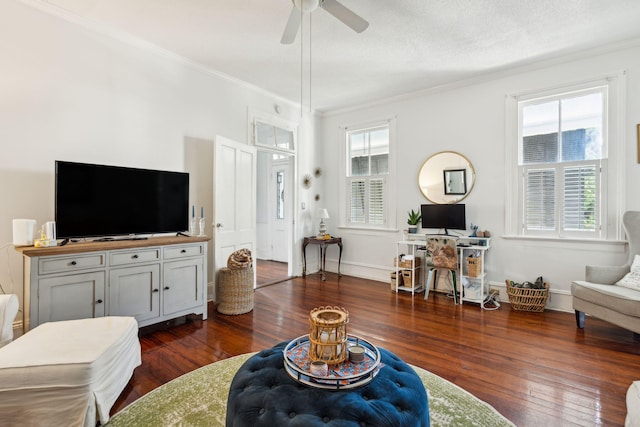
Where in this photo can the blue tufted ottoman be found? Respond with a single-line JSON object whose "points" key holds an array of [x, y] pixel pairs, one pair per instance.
{"points": [[263, 394]]}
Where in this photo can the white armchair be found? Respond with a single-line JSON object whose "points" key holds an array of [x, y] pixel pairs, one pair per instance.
{"points": [[64, 373], [8, 311], [599, 294]]}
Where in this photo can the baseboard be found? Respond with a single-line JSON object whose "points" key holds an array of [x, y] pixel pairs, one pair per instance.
{"points": [[361, 270], [211, 291], [559, 300]]}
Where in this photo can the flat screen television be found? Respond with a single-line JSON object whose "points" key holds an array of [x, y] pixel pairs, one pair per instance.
{"points": [[446, 216], [99, 200]]}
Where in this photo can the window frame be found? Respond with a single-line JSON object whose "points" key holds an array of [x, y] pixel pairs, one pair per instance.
{"points": [[610, 168], [276, 122], [389, 202]]}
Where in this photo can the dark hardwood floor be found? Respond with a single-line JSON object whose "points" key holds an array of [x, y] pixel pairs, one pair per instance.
{"points": [[536, 369], [270, 272]]}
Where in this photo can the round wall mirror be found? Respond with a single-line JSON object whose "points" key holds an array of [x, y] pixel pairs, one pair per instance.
{"points": [[446, 177]]}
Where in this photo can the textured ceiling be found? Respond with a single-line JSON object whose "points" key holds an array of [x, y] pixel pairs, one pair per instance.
{"points": [[410, 45]]}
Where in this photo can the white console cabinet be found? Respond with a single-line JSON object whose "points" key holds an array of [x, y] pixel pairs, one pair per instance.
{"points": [[154, 280]]}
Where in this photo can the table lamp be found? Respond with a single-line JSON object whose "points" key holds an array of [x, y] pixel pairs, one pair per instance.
{"points": [[322, 231]]}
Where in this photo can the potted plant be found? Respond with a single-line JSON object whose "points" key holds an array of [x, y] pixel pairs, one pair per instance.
{"points": [[413, 221]]}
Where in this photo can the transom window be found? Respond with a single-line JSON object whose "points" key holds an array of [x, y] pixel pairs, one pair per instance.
{"points": [[269, 135]]}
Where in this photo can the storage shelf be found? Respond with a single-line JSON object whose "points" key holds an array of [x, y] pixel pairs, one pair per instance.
{"points": [[466, 245]]}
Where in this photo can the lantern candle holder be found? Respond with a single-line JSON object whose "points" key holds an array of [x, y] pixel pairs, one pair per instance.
{"points": [[328, 334]]}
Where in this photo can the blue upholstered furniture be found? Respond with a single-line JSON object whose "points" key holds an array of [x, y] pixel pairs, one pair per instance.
{"points": [[263, 394]]}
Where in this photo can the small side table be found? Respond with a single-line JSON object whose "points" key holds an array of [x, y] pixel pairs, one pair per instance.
{"points": [[322, 247]]}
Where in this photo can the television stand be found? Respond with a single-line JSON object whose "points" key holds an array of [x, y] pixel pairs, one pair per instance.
{"points": [[155, 280]]}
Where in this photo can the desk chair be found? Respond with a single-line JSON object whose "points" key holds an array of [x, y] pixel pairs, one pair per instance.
{"points": [[442, 256]]}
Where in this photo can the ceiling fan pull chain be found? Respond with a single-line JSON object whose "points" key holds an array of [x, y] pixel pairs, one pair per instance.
{"points": [[301, 62]]}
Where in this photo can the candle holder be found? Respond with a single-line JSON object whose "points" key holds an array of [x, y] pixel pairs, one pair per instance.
{"points": [[328, 334], [192, 227], [201, 227]]}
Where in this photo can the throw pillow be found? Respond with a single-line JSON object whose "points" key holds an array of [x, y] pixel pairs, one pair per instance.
{"points": [[632, 278]]}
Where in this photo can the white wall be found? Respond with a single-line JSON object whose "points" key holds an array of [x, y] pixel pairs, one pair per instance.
{"points": [[71, 93], [470, 119]]}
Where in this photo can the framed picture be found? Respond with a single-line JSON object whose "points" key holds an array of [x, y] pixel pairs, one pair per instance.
{"points": [[455, 181]]}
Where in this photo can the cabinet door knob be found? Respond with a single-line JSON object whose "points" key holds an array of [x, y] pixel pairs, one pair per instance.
{"points": [[135, 256], [99, 301], [156, 290], [184, 251], [166, 288], [73, 263]]}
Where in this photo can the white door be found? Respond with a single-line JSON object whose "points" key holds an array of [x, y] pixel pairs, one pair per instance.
{"points": [[234, 199], [280, 211]]}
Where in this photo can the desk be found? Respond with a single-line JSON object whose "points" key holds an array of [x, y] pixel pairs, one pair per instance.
{"points": [[477, 290], [322, 244]]}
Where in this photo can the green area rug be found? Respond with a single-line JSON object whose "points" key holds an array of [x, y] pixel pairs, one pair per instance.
{"points": [[199, 398]]}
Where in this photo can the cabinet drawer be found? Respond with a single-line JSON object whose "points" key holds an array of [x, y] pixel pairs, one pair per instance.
{"points": [[183, 251], [71, 263], [134, 257]]}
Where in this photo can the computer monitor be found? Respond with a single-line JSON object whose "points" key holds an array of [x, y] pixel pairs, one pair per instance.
{"points": [[446, 216]]}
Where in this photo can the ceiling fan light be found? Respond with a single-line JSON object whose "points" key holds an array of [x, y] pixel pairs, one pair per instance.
{"points": [[306, 5]]}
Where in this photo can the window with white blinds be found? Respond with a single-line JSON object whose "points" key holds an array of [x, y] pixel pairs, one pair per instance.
{"points": [[367, 176], [562, 159]]}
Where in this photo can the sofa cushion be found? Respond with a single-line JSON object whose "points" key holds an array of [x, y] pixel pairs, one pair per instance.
{"points": [[632, 278], [618, 298]]}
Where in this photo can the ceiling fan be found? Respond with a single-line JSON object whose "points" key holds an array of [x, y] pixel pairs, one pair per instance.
{"points": [[340, 12]]}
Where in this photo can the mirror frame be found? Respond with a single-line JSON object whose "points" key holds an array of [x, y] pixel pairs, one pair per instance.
{"points": [[432, 177]]}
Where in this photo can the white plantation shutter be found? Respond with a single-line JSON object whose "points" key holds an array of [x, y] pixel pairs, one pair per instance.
{"points": [[367, 201], [562, 199], [357, 201], [376, 201], [540, 190], [581, 183]]}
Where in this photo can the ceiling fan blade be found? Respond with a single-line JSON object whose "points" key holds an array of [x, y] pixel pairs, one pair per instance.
{"points": [[291, 29], [346, 16]]}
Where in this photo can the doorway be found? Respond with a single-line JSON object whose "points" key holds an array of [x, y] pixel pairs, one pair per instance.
{"points": [[274, 217]]}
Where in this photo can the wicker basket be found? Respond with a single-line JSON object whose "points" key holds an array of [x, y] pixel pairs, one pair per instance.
{"points": [[406, 263], [234, 291], [474, 266], [523, 299], [395, 279]]}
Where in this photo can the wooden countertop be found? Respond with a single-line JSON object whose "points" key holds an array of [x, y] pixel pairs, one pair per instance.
{"points": [[77, 247]]}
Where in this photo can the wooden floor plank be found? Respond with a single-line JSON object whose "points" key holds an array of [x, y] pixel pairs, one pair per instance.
{"points": [[535, 368]]}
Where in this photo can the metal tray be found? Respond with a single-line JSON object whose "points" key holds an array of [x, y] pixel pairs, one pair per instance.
{"points": [[341, 376]]}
